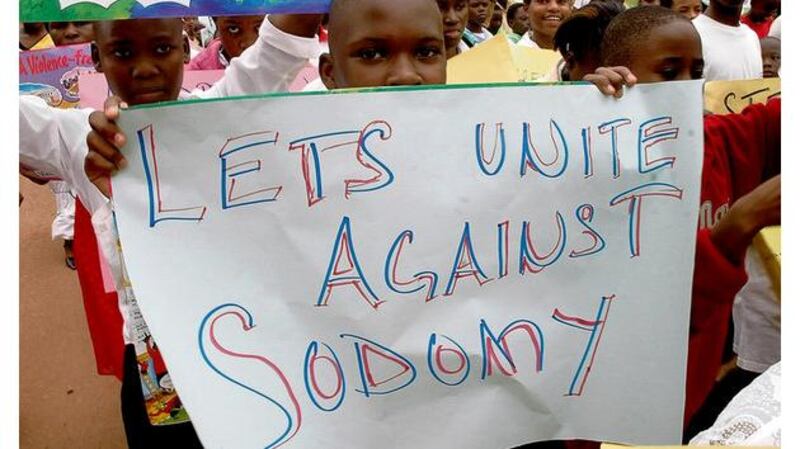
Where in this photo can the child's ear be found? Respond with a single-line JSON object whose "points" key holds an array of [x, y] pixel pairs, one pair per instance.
{"points": [[187, 54], [326, 71], [96, 58]]}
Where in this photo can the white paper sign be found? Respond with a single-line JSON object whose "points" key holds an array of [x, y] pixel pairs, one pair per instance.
{"points": [[474, 267]]}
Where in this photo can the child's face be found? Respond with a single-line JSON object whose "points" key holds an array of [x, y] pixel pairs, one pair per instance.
{"points": [[771, 56], [455, 14], [671, 52], [687, 8], [377, 43], [142, 59], [71, 33], [238, 33], [478, 11], [546, 15], [520, 24], [497, 20]]}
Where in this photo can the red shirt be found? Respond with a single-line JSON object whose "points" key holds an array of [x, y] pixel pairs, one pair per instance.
{"points": [[102, 309], [761, 29], [741, 152]]}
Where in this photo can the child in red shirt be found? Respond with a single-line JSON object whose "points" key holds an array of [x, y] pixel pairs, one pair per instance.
{"points": [[762, 14]]}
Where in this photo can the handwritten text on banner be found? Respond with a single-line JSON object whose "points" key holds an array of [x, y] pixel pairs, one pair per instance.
{"points": [[473, 267]]}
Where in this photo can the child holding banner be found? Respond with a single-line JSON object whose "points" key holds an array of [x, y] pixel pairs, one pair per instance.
{"points": [[412, 34], [742, 154], [143, 62]]}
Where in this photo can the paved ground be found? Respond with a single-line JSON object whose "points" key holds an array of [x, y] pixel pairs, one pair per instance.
{"points": [[64, 403]]}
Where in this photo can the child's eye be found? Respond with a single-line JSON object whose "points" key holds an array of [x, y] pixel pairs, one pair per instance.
{"points": [[428, 52], [163, 49], [234, 29], [697, 72], [371, 54], [122, 53], [669, 73]]}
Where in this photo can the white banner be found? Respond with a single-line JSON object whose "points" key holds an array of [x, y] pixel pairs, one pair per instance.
{"points": [[474, 267]]}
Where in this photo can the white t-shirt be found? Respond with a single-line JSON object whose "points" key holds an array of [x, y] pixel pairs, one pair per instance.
{"points": [[526, 41], [482, 36], [730, 53], [462, 47], [775, 29], [756, 319]]}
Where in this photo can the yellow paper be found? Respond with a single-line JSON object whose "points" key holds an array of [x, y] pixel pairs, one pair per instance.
{"points": [[488, 62], [726, 97], [499, 61], [768, 244], [533, 64]]}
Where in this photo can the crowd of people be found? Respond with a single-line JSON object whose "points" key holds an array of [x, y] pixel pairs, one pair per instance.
{"points": [[735, 315]]}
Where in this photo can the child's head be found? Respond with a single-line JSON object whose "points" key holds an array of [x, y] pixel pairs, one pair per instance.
{"points": [[141, 59], [497, 19], [455, 14], [71, 33], [517, 17], [578, 39], [761, 10], [383, 43], [656, 44], [545, 17], [687, 8], [237, 33], [478, 12], [771, 56]]}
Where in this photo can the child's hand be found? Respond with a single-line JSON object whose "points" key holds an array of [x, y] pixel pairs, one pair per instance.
{"points": [[748, 215], [104, 140], [610, 80], [303, 25]]}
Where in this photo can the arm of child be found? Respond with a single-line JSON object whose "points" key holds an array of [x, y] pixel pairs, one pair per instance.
{"points": [[104, 141], [284, 46], [719, 274], [49, 137]]}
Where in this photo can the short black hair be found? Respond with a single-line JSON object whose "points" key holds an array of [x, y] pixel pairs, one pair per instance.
{"points": [[582, 33], [629, 29], [512, 11], [667, 3]]}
